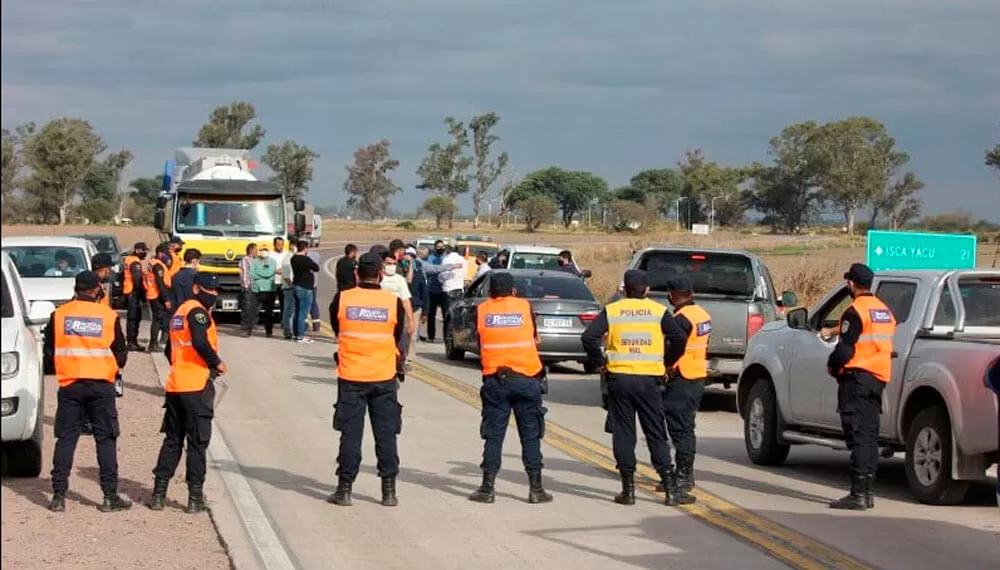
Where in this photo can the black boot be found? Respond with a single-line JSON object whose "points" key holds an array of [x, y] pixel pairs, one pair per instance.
{"points": [[675, 496], [113, 502], [536, 493], [133, 346], [855, 500], [58, 503], [159, 499], [685, 475], [486, 493], [869, 493], [389, 498], [627, 496], [196, 500], [342, 496]]}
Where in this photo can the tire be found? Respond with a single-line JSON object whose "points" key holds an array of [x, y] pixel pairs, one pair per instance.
{"points": [[24, 458], [451, 352], [928, 460], [760, 427]]}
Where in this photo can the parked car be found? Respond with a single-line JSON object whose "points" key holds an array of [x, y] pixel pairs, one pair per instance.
{"points": [[45, 278], [317, 233], [736, 289], [562, 304], [108, 243], [936, 408], [534, 257], [428, 242], [22, 385], [469, 247]]}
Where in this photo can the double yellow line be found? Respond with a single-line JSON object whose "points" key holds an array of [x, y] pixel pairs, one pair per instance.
{"points": [[794, 549]]}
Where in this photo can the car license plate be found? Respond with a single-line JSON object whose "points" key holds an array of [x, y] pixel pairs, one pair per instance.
{"points": [[230, 304], [557, 323]]}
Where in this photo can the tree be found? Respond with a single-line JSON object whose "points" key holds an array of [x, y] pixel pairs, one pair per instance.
{"points": [[631, 194], [445, 169], [13, 160], [487, 171], [705, 180], [661, 186], [368, 181], [993, 158], [536, 210], [99, 190], [899, 202], [292, 166], [143, 195], [60, 156], [629, 215], [572, 191], [788, 192], [441, 207], [225, 125]]}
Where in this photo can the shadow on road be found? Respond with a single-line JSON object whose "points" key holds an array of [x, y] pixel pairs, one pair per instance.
{"points": [[38, 491], [287, 481]]}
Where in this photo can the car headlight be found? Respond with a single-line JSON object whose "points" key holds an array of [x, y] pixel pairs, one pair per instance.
{"points": [[11, 360]]}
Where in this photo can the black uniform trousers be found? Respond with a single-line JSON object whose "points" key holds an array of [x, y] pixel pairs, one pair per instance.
{"points": [[681, 400], [83, 399], [631, 395], [523, 395], [380, 400], [859, 401], [159, 320], [187, 417], [133, 315], [435, 300]]}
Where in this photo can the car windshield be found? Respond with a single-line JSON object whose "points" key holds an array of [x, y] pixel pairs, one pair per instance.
{"points": [[237, 216], [520, 260], [552, 288], [8, 303], [711, 273], [47, 261], [104, 244], [981, 297]]}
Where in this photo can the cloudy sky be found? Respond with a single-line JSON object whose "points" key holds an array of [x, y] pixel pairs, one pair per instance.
{"points": [[611, 87]]}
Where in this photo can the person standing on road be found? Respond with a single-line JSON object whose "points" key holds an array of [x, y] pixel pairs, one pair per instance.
{"points": [[314, 314], [183, 282], [262, 272], [246, 303], [279, 255], [304, 270], [85, 349], [158, 293], [176, 263], [393, 281], [508, 350], [483, 265], [135, 294], [288, 292], [347, 268], [862, 364], [193, 352], [644, 342], [368, 323], [418, 293], [452, 281], [436, 297]]}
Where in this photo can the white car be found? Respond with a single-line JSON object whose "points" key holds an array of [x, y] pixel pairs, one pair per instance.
{"points": [[531, 257], [22, 387], [45, 277]]}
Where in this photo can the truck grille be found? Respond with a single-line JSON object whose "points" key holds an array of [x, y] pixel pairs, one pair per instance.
{"points": [[221, 262]]}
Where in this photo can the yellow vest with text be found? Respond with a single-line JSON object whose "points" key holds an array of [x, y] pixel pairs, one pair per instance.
{"points": [[693, 364], [635, 337]]}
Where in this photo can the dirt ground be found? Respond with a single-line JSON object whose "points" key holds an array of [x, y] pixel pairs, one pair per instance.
{"points": [[85, 538]]}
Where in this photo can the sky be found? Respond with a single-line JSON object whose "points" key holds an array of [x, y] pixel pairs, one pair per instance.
{"points": [[609, 87]]}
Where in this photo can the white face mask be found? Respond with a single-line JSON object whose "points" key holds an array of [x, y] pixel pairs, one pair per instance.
{"points": [[389, 269], [265, 254]]}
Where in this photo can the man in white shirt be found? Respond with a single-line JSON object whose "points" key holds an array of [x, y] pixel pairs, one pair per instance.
{"points": [[453, 281], [482, 260], [287, 294], [279, 254], [393, 281]]}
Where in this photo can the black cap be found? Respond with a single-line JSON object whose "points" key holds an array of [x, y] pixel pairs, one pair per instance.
{"points": [[501, 284], [636, 282], [206, 280], [177, 240], [860, 274], [679, 283], [101, 260], [369, 264], [87, 281], [140, 246]]}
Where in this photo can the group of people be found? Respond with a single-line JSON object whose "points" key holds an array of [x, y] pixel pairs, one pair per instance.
{"points": [[282, 277]]}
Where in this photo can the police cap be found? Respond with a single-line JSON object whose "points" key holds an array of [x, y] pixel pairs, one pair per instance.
{"points": [[87, 281], [679, 283], [369, 264], [205, 280], [860, 274], [140, 246], [177, 240], [101, 260]]}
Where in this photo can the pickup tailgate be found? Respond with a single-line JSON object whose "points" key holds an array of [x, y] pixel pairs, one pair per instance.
{"points": [[729, 324]]}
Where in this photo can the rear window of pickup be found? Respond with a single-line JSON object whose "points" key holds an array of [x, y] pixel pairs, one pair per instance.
{"points": [[711, 273], [981, 297]]}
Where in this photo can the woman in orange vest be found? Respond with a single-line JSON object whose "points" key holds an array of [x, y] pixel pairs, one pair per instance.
{"points": [[135, 294], [193, 352], [84, 348]]}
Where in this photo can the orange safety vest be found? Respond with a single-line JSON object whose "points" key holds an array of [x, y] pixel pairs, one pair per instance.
{"points": [[693, 365], [106, 298], [152, 290], [188, 370], [84, 332], [128, 286], [176, 263], [507, 336], [873, 351], [367, 348]]}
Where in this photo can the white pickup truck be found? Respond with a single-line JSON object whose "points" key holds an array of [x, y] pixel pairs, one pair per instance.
{"points": [[937, 408]]}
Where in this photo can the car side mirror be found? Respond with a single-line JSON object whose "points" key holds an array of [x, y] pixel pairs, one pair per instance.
{"points": [[798, 318], [788, 299], [300, 205], [159, 220], [40, 312], [161, 202], [300, 224]]}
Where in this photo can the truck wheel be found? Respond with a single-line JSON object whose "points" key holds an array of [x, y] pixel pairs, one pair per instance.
{"points": [[760, 427], [928, 460], [450, 351], [25, 457]]}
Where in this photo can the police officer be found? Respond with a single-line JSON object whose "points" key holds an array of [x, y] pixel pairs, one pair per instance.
{"points": [[643, 343], [862, 364], [512, 370], [193, 352], [368, 322], [686, 382], [158, 293], [85, 348], [175, 245], [135, 294], [101, 265]]}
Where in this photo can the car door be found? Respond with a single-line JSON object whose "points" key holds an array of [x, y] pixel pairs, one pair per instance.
{"points": [[465, 314], [810, 349]]}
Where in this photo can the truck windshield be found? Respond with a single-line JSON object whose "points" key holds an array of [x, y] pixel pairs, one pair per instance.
{"points": [[711, 273], [981, 297], [238, 216]]}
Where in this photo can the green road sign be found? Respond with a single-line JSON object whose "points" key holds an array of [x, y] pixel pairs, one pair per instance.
{"points": [[911, 250]]}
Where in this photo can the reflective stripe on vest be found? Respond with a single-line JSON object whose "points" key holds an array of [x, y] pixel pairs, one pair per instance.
{"points": [[873, 351], [152, 289], [366, 341], [635, 337], [507, 336], [188, 370], [84, 332], [128, 285], [693, 364]]}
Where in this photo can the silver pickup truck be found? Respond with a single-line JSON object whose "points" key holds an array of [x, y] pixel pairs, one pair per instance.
{"points": [[937, 408], [735, 288]]}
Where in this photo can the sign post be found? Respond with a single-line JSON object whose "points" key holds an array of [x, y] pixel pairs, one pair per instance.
{"points": [[912, 250]]}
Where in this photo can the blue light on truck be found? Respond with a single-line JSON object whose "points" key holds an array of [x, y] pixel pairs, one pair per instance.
{"points": [[168, 175]]}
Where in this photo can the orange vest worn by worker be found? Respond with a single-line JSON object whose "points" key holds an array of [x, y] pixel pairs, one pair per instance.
{"points": [[507, 336], [367, 348], [84, 332], [106, 297], [176, 263], [693, 365], [188, 370], [152, 289], [873, 351], [128, 286]]}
